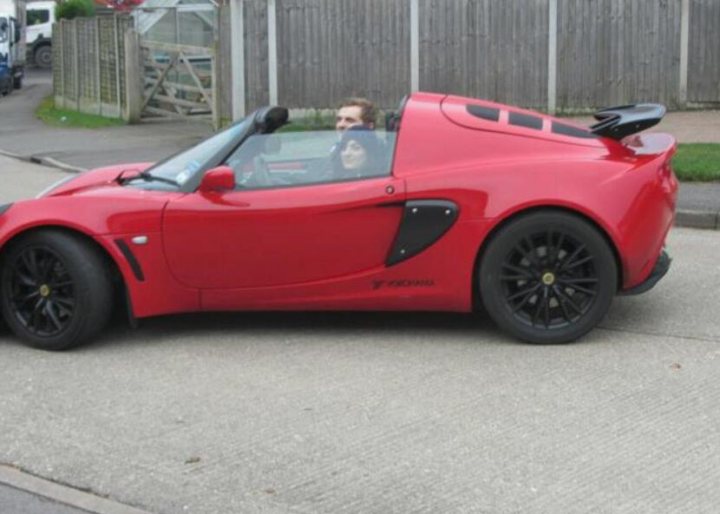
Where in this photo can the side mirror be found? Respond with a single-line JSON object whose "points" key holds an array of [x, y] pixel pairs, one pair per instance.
{"points": [[217, 180]]}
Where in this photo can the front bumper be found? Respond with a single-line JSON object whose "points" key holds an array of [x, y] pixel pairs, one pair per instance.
{"points": [[661, 268]]}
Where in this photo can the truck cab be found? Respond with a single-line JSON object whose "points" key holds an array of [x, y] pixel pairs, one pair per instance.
{"points": [[12, 44], [40, 19], [9, 34]]}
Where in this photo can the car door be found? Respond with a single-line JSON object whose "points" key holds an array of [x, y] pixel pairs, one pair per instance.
{"points": [[290, 231]]}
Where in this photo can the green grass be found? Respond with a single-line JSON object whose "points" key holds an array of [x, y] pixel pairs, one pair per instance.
{"points": [[699, 162], [47, 112]]}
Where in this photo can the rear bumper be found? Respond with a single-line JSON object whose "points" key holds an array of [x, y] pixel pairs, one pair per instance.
{"points": [[661, 268]]}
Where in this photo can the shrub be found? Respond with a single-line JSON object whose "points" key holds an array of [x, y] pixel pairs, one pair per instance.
{"points": [[70, 9]]}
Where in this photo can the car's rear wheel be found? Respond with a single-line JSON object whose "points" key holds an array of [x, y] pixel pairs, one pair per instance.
{"points": [[55, 290], [548, 277]]}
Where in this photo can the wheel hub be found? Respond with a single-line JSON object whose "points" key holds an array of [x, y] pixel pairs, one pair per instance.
{"points": [[44, 290], [548, 278]]}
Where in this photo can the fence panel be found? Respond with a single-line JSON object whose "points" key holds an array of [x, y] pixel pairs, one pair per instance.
{"points": [[704, 51], [486, 48], [256, 54], [613, 52], [332, 49], [88, 64]]}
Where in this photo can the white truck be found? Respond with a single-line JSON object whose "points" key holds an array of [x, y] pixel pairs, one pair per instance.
{"points": [[12, 44], [40, 19]]}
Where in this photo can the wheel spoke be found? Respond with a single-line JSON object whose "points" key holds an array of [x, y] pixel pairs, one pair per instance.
{"points": [[569, 300], [24, 279], [530, 253], [581, 289], [25, 298], [566, 262], [524, 272], [526, 299], [523, 292], [561, 302], [53, 317], [30, 262], [578, 263]]}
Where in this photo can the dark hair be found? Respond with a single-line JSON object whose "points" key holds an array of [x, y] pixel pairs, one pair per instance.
{"points": [[374, 148], [368, 109]]}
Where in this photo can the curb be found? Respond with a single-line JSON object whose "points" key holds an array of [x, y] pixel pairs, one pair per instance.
{"points": [[22, 481], [43, 161], [687, 218]]}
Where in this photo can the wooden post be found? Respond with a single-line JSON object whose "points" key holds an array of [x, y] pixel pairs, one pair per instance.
{"points": [[133, 78]]}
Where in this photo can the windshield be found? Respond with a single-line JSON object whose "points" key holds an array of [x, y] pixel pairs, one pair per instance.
{"points": [[181, 167], [3, 29]]}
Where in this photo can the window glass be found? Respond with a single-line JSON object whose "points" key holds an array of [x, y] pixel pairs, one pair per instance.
{"points": [[311, 157], [184, 165], [4, 30], [37, 16]]}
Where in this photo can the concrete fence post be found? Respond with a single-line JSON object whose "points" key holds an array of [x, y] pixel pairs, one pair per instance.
{"points": [[237, 33], [414, 46], [133, 78], [552, 56], [272, 52], [684, 52]]}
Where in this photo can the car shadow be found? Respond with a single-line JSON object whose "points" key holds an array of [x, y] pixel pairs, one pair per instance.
{"points": [[301, 323]]}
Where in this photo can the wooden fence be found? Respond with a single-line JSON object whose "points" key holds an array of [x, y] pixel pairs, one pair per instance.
{"points": [[553, 55], [89, 64], [556, 55]]}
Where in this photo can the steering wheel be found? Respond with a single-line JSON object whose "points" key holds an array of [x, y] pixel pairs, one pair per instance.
{"points": [[260, 177]]}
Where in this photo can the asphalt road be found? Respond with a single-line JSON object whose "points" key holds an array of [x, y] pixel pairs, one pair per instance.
{"points": [[381, 413]]}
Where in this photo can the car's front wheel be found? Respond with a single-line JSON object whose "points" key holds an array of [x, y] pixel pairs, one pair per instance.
{"points": [[55, 290], [547, 277]]}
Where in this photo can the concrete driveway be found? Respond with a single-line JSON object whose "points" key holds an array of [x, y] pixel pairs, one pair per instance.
{"points": [[381, 413]]}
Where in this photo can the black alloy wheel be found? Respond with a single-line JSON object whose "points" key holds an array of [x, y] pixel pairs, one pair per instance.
{"points": [[42, 292], [548, 277], [55, 289]]}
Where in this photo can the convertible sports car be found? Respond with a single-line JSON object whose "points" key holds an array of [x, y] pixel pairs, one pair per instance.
{"points": [[459, 204]]}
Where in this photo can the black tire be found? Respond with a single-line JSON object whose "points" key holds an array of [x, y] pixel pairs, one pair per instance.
{"points": [[43, 57], [55, 290], [548, 277], [17, 82]]}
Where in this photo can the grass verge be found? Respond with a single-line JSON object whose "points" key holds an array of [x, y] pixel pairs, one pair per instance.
{"points": [[698, 162], [47, 112]]}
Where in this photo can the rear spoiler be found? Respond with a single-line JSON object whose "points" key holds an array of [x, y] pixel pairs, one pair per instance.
{"points": [[621, 121]]}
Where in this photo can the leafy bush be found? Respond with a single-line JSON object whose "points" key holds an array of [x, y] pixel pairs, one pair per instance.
{"points": [[70, 9]]}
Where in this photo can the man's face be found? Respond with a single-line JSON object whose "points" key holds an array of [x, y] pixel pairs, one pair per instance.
{"points": [[348, 116]]}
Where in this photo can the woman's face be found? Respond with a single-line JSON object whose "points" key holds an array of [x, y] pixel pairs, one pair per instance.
{"points": [[353, 156]]}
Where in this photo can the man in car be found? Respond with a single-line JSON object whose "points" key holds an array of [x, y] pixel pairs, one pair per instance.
{"points": [[355, 111]]}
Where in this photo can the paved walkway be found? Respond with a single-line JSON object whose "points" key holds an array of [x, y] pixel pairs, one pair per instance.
{"points": [[23, 135]]}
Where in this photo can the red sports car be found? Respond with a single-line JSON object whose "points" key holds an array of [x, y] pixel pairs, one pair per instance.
{"points": [[458, 204]]}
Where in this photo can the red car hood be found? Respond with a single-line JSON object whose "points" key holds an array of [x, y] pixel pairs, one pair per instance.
{"points": [[100, 177]]}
